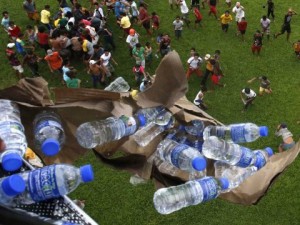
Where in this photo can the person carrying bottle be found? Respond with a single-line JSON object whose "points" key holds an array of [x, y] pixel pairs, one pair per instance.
{"points": [[287, 137]]}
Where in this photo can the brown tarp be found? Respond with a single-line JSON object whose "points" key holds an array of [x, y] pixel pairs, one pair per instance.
{"points": [[77, 106]]}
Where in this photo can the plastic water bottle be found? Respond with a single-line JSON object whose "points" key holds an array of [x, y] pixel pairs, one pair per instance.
{"points": [[262, 157], [231, 153], [237, 133], [181, 156], [52, 182], [220, 167], [151, 114], [171, 199], [196, 128], [146, 134], [9, 188], [237, 175], [12, 133], [92, 134], [49, 134], [118, 85]]}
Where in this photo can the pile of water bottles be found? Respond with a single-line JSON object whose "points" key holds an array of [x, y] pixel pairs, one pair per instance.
{"points": [[186, 147]]}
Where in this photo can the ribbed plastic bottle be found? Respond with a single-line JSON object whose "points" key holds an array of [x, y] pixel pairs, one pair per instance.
{"points": [[96, 133], [220, 167], [181, 156], [10, 187], [262, 156], [49, 134], [146, 134], [195, 128], [118, 85], [52, 182], [237, 175], [12, 133], [171, 199], [237, 133], [231, 153]]}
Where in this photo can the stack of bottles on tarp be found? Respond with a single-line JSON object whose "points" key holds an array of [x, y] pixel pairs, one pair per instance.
{"points": [[186, 147], [41, 184]]}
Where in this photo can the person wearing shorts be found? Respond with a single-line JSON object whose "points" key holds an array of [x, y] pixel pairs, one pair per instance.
{"points": [[296, 47], [264, 85], [144, 19], [257, 42], [287, 137], [286, 26], [250, 97], [14, 61], [225, 19], [265, 25], [30, 8], [172, 3], [213, 8], [194, 65], [198, 17]]}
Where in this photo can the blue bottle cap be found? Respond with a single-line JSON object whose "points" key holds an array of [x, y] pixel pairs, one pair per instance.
{"points": [[50, 147], [199, 163], [13, 185], [142, 119], [269, 151], [224, 183], [263, 131], [11, 161], [87, 173]]}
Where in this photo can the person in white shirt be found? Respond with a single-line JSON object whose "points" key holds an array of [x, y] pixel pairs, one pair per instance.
{"points": [[265, 25], [250, 96], [184, 11], [239, 12], [105, 61], [198, 101], [132, 39], [194, 64]]}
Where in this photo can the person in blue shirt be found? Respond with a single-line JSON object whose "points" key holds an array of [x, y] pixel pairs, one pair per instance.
{"points": [[21, 45]]}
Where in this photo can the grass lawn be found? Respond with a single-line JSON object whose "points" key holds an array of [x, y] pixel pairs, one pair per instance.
{"points": [[112, 200]]}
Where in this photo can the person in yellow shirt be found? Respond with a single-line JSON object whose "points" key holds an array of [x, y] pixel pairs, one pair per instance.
{"points": [[46, 17], [125, 24], [226, 18]]}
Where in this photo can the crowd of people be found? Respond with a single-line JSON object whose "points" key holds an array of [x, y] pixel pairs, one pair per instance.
{"points": [[75, 33]]}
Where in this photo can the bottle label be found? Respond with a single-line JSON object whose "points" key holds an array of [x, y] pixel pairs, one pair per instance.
{"points": [[262, 158], [130, 125], [46, 123], [209, 187], [176, 152], [246, 157], [238, 134], [42, 184], [11, 127]]}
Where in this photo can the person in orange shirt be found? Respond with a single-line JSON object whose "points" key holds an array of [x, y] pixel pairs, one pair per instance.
{"points": [[54, 61]]}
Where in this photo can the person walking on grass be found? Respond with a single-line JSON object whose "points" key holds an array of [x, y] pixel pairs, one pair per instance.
{"points": [[264, 85], [198, 17], [213, 8], [239, 12], [194, 65], [270, 7], [296, 47], [144, 19], [242, 27], [184, 12], [14, 61], [257, 42], [265, 26], [32, 60], [287, 137], [247, 96], [178, 26], [97, 72], [286, 26], [226, 19]]}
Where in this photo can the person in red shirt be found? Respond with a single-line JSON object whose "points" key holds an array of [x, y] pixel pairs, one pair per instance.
{"points": [[144, 18], [13, 30], [43, 38], [198, 17], [155, 21], [242, 26], [54, 61]]}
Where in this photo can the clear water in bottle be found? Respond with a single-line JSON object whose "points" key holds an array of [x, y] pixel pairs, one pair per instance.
{"points": [[10, 187], [12, 133], [181, 156], [231, 153], [118, 85], [49, 134], [52, 181], [195, 128], [151, 114], [171, 199], [220, 167], [237, 133], [262, 156]]}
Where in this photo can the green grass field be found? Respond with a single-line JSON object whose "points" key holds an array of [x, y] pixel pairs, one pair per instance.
{"points": [[112, 200]]}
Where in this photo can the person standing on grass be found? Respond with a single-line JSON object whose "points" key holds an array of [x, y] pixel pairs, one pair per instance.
{"points": [[239, 12], [250, 96], [228, 3], [265, 25], [72, 81], [21, 46], [264, 84], [172, 3], [14, 61], [178, 25], [195, 3], [286, 26], [242, 27], [132, 39], [257, 42], [226, 18], [287, 138], [148, 54], [97, 72], [270, 6], [296, 47], [88, 50], [46, 17], [144, 19], [108, 38], [139, 73], [198, 17], [155, 21], [184, 12], [213, 8], [13, 30], [198, 101], [5, 21], [134, 11], [54, 61], [32, 60], [138, 52], [194, 65], [105, 61], [165, 45], [30, 8], [125, 24], [43, 38]]}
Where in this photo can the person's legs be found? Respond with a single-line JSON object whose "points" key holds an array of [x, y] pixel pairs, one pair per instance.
{"points": [[248, 102], [188, 73]]}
